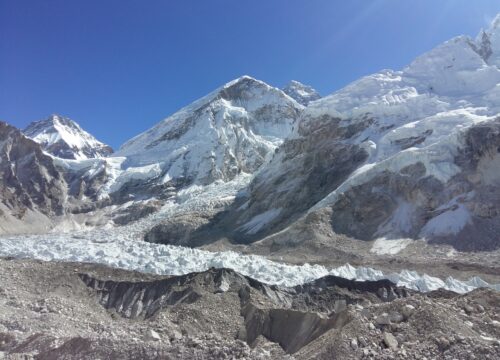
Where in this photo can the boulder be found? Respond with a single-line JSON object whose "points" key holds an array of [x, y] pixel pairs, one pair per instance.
{"points": [[407, 311], [152, 335], [390, 341], [383, 319]]}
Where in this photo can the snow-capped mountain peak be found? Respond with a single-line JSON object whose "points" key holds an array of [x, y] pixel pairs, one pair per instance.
{"points": [[231, 130], [64, 138], [303, 94]]}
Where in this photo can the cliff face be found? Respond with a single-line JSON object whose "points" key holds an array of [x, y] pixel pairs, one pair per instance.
{"points": [[31, 187]]}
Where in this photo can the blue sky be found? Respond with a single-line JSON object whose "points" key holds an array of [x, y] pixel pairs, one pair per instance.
{"points": [[119, 66]]}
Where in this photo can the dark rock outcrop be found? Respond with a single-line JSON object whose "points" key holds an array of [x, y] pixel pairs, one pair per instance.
{"points": [[291, 317], [29, 180]]}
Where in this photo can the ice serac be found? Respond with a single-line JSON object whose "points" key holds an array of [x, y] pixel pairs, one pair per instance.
{"points": [[303, 94], [64, 138], [234, 129]]}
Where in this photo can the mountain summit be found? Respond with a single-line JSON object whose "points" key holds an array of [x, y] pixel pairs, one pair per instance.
{"points": [[231, 130], [303, 94], [64, 138]]}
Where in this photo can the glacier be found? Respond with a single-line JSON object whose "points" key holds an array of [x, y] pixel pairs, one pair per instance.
{"points": [[106, 248]]}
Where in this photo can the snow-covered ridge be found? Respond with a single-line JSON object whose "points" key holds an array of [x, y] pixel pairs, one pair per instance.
{"points": [[64, 138], [453, 75], [177, 260]]}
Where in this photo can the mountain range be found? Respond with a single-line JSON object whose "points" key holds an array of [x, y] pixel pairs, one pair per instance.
{"points": [[393, 158]]}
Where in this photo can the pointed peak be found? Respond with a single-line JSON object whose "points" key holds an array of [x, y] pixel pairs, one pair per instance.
{"points": [[6, 127], [63, 137], [245, 79], [303, 94], [56, 118], [53, 120], [493, 29], [245, 87]]}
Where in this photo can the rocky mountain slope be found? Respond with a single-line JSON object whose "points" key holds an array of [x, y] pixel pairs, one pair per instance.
{"points": [[32, 189], [410, 154], [82, 311], [64, 138], [427, 139]]}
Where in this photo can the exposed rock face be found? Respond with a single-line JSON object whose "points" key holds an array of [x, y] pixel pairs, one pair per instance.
{"points": [[136, 212], [291, 317], [38, 191], [84, 183], [406, 201], [303, 94], [362, 213], [303, 171], [452, 212], [31, 187], [409, 202], [477, 191], [180, 230], [64, 138]]}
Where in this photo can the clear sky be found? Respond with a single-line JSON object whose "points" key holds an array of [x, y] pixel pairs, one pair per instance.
{"points": [[117, 67]]}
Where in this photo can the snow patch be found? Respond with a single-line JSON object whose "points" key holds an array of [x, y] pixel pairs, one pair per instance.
{"points": [[448, 223], [383, 246], [259, 221]]}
